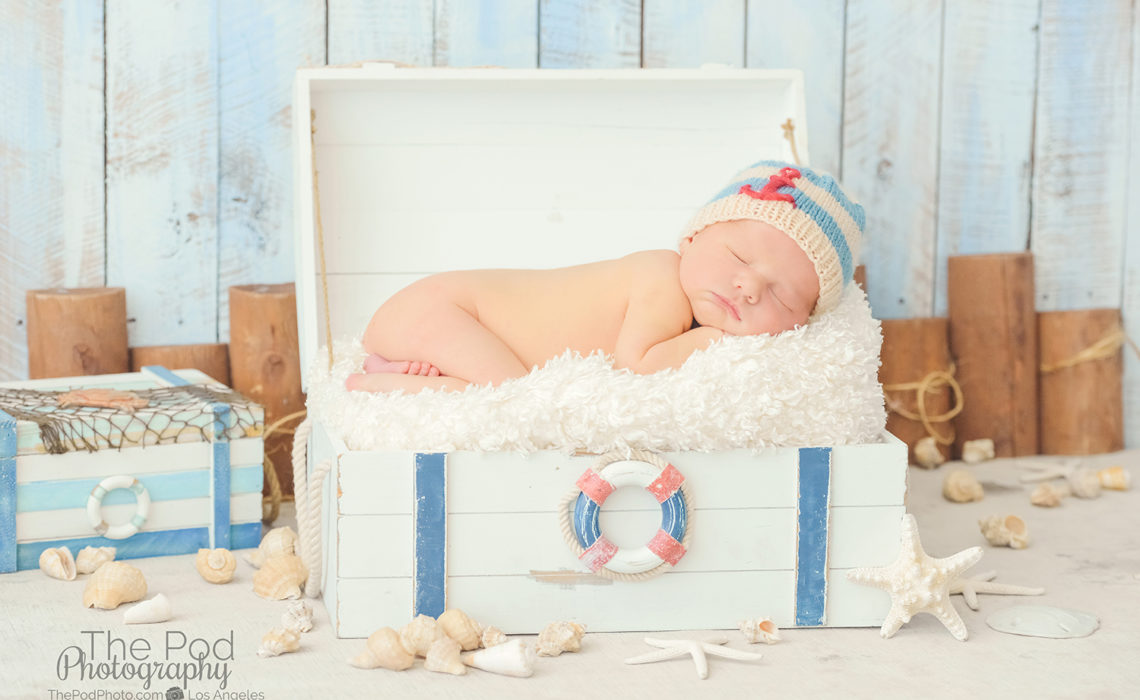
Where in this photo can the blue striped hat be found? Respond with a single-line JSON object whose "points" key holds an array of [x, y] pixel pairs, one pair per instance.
{"points": [[809, 207]]}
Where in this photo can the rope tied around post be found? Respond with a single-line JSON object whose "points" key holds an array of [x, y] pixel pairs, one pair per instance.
{"points": [[930, 384]]}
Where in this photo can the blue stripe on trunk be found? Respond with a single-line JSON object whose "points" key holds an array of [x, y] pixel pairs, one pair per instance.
{"points": [[8, 493], [811, 545], [429, 593], [220, 484]]}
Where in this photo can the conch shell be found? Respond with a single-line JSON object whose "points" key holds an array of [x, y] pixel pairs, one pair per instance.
{"points": [[974, 451], [298, 616], [57, 562], [280, 577], [927, 454], [157, 609], [1116, 478], [113, 584], [216, 565], [1010, 530], [511, 658], [760, 629], [492, 636], [384, 650], [1049, 494], [456, 624], [558, 637], [443, 657], [960, 486], [91, 558], [418, 635], [279, 540], [279, 641]]}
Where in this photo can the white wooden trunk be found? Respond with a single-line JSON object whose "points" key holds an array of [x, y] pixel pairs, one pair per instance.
{"points": [[425, 170], [203, 493]]}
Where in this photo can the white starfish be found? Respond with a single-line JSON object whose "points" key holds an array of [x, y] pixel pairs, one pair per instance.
{"points": [[672, 648], [918, 582], [971, 586]]}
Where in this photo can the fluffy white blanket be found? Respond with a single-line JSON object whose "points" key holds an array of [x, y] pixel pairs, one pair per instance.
{"points": [[813, 386]]}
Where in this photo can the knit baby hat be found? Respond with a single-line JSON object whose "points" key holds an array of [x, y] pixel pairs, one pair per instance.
{"points": [[811, 208]]}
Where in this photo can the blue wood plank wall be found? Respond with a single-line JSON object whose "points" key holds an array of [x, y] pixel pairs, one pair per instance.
{"points": [[146, 144]]}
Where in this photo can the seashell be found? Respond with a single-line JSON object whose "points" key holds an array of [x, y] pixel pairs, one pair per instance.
{"points": [[443, 657], [384, 650], [558, 637], [298, 616], [57, 562], [456, 624], [1010, 530], [974, 451], [492, 636], [960, 486], [418, 635], [216, 565], [511, 658], [113, 584], [1084, 483], [279, 540], [91, 558], [927, 454], [1116, 478], [157, 609], [1048, 494], [279, 641], [280, 577], [760, 629]]}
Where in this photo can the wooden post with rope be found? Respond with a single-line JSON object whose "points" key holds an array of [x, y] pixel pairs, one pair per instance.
{"points": [[993, 339], [918, 382], [1082, 405]]}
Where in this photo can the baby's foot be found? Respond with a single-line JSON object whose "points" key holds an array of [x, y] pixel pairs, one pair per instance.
{"points": [[374, 364]]}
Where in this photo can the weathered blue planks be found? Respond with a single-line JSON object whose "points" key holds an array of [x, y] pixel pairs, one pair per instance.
{"points": [[72, 493]]}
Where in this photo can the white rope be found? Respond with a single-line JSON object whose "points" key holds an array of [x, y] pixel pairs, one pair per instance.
{"points": [[307, 497]]}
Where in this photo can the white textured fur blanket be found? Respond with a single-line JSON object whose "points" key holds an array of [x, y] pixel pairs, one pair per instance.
{"points": [[816, 385]]}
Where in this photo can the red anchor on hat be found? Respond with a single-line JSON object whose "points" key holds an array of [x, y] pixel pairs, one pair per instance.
{"points": [[768, 191]]}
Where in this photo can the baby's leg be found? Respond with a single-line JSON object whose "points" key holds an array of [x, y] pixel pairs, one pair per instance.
{"points": [[374, 364], [430, 321]]}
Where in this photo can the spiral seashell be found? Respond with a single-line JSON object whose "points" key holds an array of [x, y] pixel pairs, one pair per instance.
{"points": [[384, 650], [216, 565], [1116, 478], [512, 658], [418, 635], [157, 609], [558, 637], [760, 629], [1084, 483], [1010, 530], [927, 454], [57, 562], [280, 577], [974, 451], [298, 616], [456, 624], [492, 636], [113, 584], [960, 486], [91, 558], [443, 657], [279, 641], [279, 540]]}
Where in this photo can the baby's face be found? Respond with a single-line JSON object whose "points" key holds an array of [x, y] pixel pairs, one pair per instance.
{"points": [[746, 278]]}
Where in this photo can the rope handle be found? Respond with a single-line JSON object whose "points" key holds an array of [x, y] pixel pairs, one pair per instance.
{"points": [[307, 497], [566, 505]]}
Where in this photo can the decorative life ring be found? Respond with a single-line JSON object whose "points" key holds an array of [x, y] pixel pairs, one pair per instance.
{"points": [[613, 471], [95, 503]]}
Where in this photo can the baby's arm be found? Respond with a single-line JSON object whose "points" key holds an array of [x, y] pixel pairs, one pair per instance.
{"points": [[655, 333]]}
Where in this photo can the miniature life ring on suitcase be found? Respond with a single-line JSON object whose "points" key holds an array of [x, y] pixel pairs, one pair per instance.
{"points": [[583, 532], [95, 501]]}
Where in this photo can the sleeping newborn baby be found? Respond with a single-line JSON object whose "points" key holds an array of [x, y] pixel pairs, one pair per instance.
{"points": [[771, 250]]}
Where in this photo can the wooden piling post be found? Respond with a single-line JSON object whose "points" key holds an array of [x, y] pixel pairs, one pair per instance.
{"points": [[915, 367], [77, 331], [213, 359]]}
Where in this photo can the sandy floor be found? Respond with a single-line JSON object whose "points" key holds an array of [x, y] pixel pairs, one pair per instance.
{"points": [[1085, 553]]}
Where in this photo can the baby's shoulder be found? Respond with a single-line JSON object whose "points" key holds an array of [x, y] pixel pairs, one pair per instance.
{"points": [[653, 266]]}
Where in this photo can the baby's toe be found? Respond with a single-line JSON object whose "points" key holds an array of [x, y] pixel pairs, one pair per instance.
{"points": [[434, 372]]}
